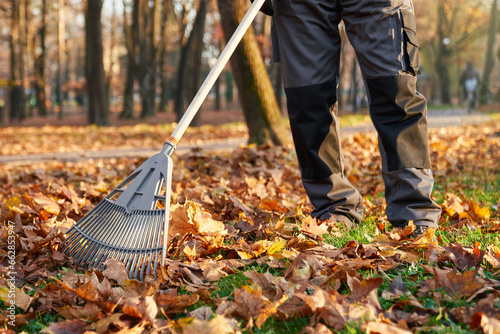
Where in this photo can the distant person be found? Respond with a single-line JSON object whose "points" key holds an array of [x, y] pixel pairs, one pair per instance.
{"points": [[469, 81]]}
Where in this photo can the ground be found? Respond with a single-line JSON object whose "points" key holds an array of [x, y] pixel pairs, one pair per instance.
{"points": [[244, 256]]}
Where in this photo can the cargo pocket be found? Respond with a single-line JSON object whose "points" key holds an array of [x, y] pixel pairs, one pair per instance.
{"points": [[411, 62]]}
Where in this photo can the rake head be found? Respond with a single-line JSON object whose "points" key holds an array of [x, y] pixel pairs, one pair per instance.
{"points": [[130, 224]]}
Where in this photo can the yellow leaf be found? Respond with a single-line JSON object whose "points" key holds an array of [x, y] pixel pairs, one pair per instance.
{"points": [[277, 247], [13, 203], [481, 213], [244, 255]]}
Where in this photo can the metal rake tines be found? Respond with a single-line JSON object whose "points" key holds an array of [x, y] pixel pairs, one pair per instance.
{"points": [[138, 243], [130, 224]]}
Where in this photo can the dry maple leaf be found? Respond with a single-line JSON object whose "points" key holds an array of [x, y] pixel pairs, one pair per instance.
{"points": [[171, 303], [218, 324], [463, 259], [361, 289], [143, 308], [115, 270], [373, 327], [66, 326], [23, 300], [487, 324], [250, 304], [314, 226]]}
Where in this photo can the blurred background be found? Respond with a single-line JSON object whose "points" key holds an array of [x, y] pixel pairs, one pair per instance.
{"points": [[100, 62]]}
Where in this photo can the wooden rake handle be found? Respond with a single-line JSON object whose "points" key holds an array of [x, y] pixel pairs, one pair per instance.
{"points": [[214, 73]]}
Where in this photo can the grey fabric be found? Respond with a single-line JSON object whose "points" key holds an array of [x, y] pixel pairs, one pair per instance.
{"points": [[407, 195], [336, 196], [306, 40]]}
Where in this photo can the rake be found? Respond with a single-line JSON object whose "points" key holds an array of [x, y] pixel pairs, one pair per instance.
{"points": [[131, 223]]}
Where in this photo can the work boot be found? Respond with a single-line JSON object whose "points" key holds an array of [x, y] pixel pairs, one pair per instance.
{"points": [[419, 231]]}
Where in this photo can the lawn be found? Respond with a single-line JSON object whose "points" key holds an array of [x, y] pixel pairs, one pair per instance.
{"points": [[244, 255]]}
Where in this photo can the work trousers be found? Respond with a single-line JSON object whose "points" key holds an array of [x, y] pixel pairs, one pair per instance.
{"points": [[307, 42]]}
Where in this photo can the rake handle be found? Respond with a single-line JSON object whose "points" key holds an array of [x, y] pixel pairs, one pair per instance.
{"points": [[214, 73]]}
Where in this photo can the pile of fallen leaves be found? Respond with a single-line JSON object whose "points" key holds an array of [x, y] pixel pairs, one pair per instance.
{"points": [[245, 214]]}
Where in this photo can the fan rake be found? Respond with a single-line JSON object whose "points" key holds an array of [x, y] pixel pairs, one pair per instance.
{"points": [[131, 223]]}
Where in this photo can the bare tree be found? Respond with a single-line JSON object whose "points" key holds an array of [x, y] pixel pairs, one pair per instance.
{"points": [[195, 56], [16, 62], [489, 63], [61, 46], [97, 111], [40, 62], [261, 110], [186, 52]]}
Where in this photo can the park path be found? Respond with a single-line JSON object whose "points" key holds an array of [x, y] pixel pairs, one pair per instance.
{"points": [[436, 119]]}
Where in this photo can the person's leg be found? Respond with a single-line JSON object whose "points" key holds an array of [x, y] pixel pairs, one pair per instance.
{"points": [[383, 34], [308, 43]]}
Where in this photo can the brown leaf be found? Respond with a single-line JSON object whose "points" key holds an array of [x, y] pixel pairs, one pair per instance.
{"points": [[361, 289], [46, 203], [116, 320], [463, 259], [89, 312], [173, 303], [66, 327], [213, 270], [143, 308], [219, 324], [115, 270], [318, 329], [452, 204], [22, 300], [383, 328], [314, 226], [488, 325]]}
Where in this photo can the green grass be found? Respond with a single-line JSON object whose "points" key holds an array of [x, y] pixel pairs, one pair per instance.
{"points": [[354, 120], [362, 233], [274, 326], [43, 320]]}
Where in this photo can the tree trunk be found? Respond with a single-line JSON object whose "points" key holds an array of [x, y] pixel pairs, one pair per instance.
{"points": [[131, 34], [489, 63], [443, 54], [16, 90], [256, 93], [195, 75], [164, 94], [185, 55], [40, 64], [97, 112], [61, 27], [148, 59], [229, 94]]}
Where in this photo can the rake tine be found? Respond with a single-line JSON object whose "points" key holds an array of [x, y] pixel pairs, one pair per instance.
{"points": [[155, 242], [143, 250], [91, 224], [130, 251], [147, 244], [96, 258], [85, 253], [136, 255], [74, 239], [154, 182], [120, 238]]}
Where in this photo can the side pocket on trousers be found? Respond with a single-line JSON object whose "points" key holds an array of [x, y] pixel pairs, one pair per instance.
{"points": [[411, 62]]}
